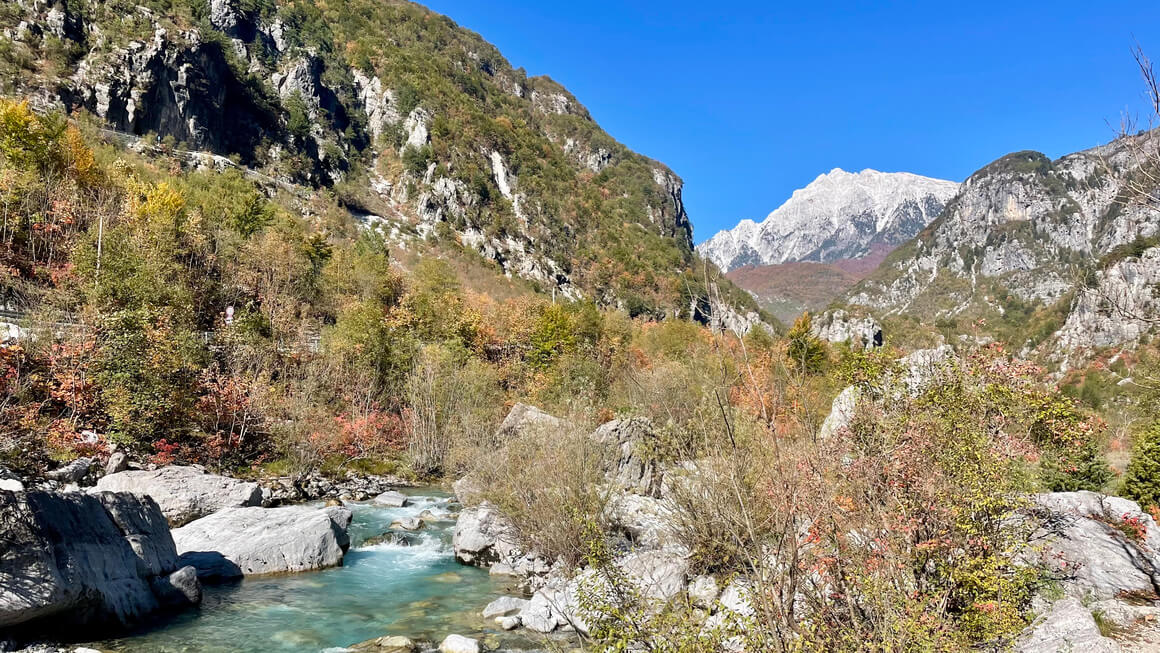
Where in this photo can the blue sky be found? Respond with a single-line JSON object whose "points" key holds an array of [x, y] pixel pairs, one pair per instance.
{"points": [[749, 100]]}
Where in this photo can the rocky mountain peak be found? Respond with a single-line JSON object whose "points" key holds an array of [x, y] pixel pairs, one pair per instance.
{"points": [[839, 215]]}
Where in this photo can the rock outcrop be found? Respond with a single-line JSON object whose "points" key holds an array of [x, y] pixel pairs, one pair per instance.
{"points": [[1067, 626], [185, 493], [254, 541], [90, 562], [1100, 547], [838, 326], [1027, 232], [629, 445]]}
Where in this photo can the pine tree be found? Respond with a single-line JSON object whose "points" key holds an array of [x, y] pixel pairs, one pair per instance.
{"points": [[1142, 478]]}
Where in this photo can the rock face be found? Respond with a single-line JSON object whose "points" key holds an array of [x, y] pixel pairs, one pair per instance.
{"points": [[254, 541], [185, 493], [628, 463], [840, 215], [1119, 308], [838, 326], [97, 562], [1068, 626], [1021, 232], [1102, 547], [259, 84]]}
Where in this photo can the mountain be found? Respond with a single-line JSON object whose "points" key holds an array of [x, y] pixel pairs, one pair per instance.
{"points": [[1038, 252], [826, 237], [839, 215], [420, 128]]}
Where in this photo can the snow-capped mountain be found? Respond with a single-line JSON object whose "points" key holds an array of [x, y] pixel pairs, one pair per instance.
{"points": [[839, 215]]}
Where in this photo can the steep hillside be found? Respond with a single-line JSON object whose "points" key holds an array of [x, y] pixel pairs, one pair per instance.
{"points": [[839, 215], [1030, 245], [417, 125]]}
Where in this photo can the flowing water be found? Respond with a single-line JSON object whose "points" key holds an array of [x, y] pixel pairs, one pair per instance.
{"points": [[418, 591]]}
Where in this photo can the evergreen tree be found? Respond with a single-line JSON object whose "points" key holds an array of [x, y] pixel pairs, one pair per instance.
{"points": [[1142, 478]]}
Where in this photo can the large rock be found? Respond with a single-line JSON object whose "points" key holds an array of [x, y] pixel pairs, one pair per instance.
{"points": [[504, 606], [185, 493], [1067, 627], [1088, 540], [483, 537], [75, 560], [73, 472], [459, 644], [523, 419], [392, 499], [658, 575], [629, 462], [842, 412], [118, 462], [254, 541], [646, 521]]}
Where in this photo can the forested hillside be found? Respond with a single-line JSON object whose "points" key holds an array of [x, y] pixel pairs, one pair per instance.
{"points": [[415, 124]]}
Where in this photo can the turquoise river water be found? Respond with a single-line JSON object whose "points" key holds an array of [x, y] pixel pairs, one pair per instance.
{"points": [[418, 591]]}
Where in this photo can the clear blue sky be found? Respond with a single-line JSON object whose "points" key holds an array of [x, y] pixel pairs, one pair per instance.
{"points": [[749, 100]]}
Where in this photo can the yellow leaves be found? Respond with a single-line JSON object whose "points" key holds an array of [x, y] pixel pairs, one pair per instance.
{"points": [[79, 157], [161, 204]]}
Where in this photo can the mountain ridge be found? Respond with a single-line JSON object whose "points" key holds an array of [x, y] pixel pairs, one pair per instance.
{"points": [[838, 215], [414, 121]]}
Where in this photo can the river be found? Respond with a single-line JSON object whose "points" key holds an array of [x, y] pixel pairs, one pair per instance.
{"points": [[417, 591]]}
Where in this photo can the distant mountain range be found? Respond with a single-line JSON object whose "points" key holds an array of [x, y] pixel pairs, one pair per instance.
{"points": [[826, 237]]}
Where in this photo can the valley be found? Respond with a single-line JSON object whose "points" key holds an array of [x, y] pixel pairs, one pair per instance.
{"points": [[324, 327]]}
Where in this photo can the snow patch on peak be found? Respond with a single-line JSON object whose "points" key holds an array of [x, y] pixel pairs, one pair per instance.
{"points": [[839, 215]]}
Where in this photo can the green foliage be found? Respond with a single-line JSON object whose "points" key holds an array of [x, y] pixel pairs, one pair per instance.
{"points": [[1142, 478], [804, 350]]}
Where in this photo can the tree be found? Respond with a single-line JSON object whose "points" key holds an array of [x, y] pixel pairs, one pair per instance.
{"points": [[1142, 478], [805, 351]]}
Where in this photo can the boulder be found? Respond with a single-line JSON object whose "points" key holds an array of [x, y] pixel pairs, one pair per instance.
{"points": [[459, 644], [179, 589], [254, 541], [484, 537], [508, 623], [73, 472], [1088, 541], [392, 499], [643, 520], [841, 413], [391, 644], [523, 419], [629, 463], [504, 606], [118, 462], [185, 493], [658, 575], [557, 603], [703, 591], [409, 524], [1067, 626], [82, 561]]}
